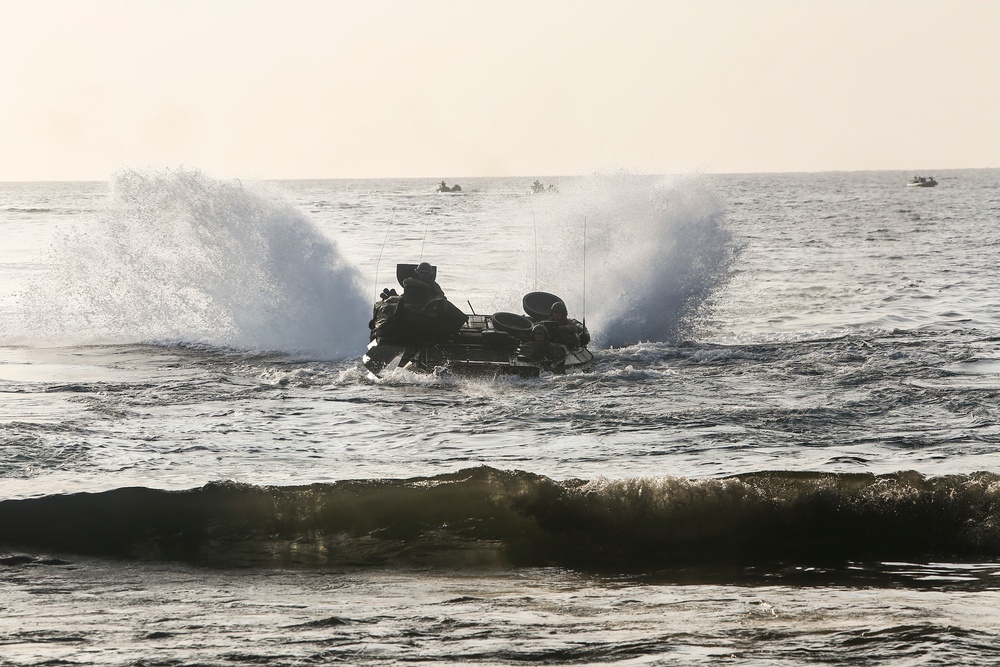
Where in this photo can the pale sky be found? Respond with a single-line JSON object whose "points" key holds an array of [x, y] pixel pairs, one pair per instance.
{"points": [[411, 88]]}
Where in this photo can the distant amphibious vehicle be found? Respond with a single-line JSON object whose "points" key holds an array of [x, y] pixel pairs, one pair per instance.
{"points": [[429, 335]]}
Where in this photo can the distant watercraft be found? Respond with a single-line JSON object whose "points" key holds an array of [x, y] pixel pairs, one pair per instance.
{"points": [[443, 187], [922, 182], [538, 188]]}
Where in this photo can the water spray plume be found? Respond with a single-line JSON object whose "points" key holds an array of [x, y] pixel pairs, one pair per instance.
{"points": [[655, 251], [180, 257]]}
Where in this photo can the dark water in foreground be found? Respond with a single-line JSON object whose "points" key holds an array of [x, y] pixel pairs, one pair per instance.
{"points": [[515, 518]]}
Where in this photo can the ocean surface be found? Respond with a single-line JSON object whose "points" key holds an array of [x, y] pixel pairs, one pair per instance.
{"points": [[784, 453]]}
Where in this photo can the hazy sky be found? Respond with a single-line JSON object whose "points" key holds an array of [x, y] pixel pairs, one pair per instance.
{"points": [[385, 88]]}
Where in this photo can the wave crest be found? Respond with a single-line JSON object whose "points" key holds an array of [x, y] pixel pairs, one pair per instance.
{"points": [[483, 515]]}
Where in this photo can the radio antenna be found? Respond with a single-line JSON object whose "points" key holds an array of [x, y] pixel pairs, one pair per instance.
{"points": [[426, 227], [383, 248], [534, 227], [584, 270]]}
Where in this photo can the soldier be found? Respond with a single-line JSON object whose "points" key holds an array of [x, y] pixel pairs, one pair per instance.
{"points": [[565, 330], [420, 288]]}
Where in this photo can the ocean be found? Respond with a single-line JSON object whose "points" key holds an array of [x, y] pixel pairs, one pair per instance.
{"points": [[784, 452]]}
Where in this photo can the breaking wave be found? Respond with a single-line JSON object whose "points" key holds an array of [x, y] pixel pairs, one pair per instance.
{"points": [[484, 515]]}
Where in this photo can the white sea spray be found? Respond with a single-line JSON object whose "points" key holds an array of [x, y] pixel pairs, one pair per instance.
{"points": [[178, 256], [639, 256]]}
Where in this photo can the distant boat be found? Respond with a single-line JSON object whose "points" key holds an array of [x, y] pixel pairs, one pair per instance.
{"points": [[537, 188], [922, 182], [444, 188]]}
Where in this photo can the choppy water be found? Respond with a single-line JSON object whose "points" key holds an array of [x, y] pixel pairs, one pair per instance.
{"points": [[784, 453]]}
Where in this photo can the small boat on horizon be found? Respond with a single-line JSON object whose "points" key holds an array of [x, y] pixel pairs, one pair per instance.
{"points": [[538, 188], [922, 182]]}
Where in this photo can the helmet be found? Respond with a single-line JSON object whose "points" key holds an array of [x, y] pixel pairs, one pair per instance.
{"points": [[558, 308], [539, 328], [423, 269]]}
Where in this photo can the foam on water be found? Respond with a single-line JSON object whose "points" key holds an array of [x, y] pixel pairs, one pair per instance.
{"points": [[179, 256]]}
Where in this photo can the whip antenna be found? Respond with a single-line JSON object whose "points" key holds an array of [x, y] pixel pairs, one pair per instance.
{"points": [[383, 248], [426, 226], [534, 227], [585, 270]]}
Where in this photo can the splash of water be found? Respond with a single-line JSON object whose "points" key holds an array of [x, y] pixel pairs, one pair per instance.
{"points": [[179, 256], [657, 250]]}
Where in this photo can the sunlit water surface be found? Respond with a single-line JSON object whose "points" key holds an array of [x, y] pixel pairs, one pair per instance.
{"points": [[169, 330]]}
